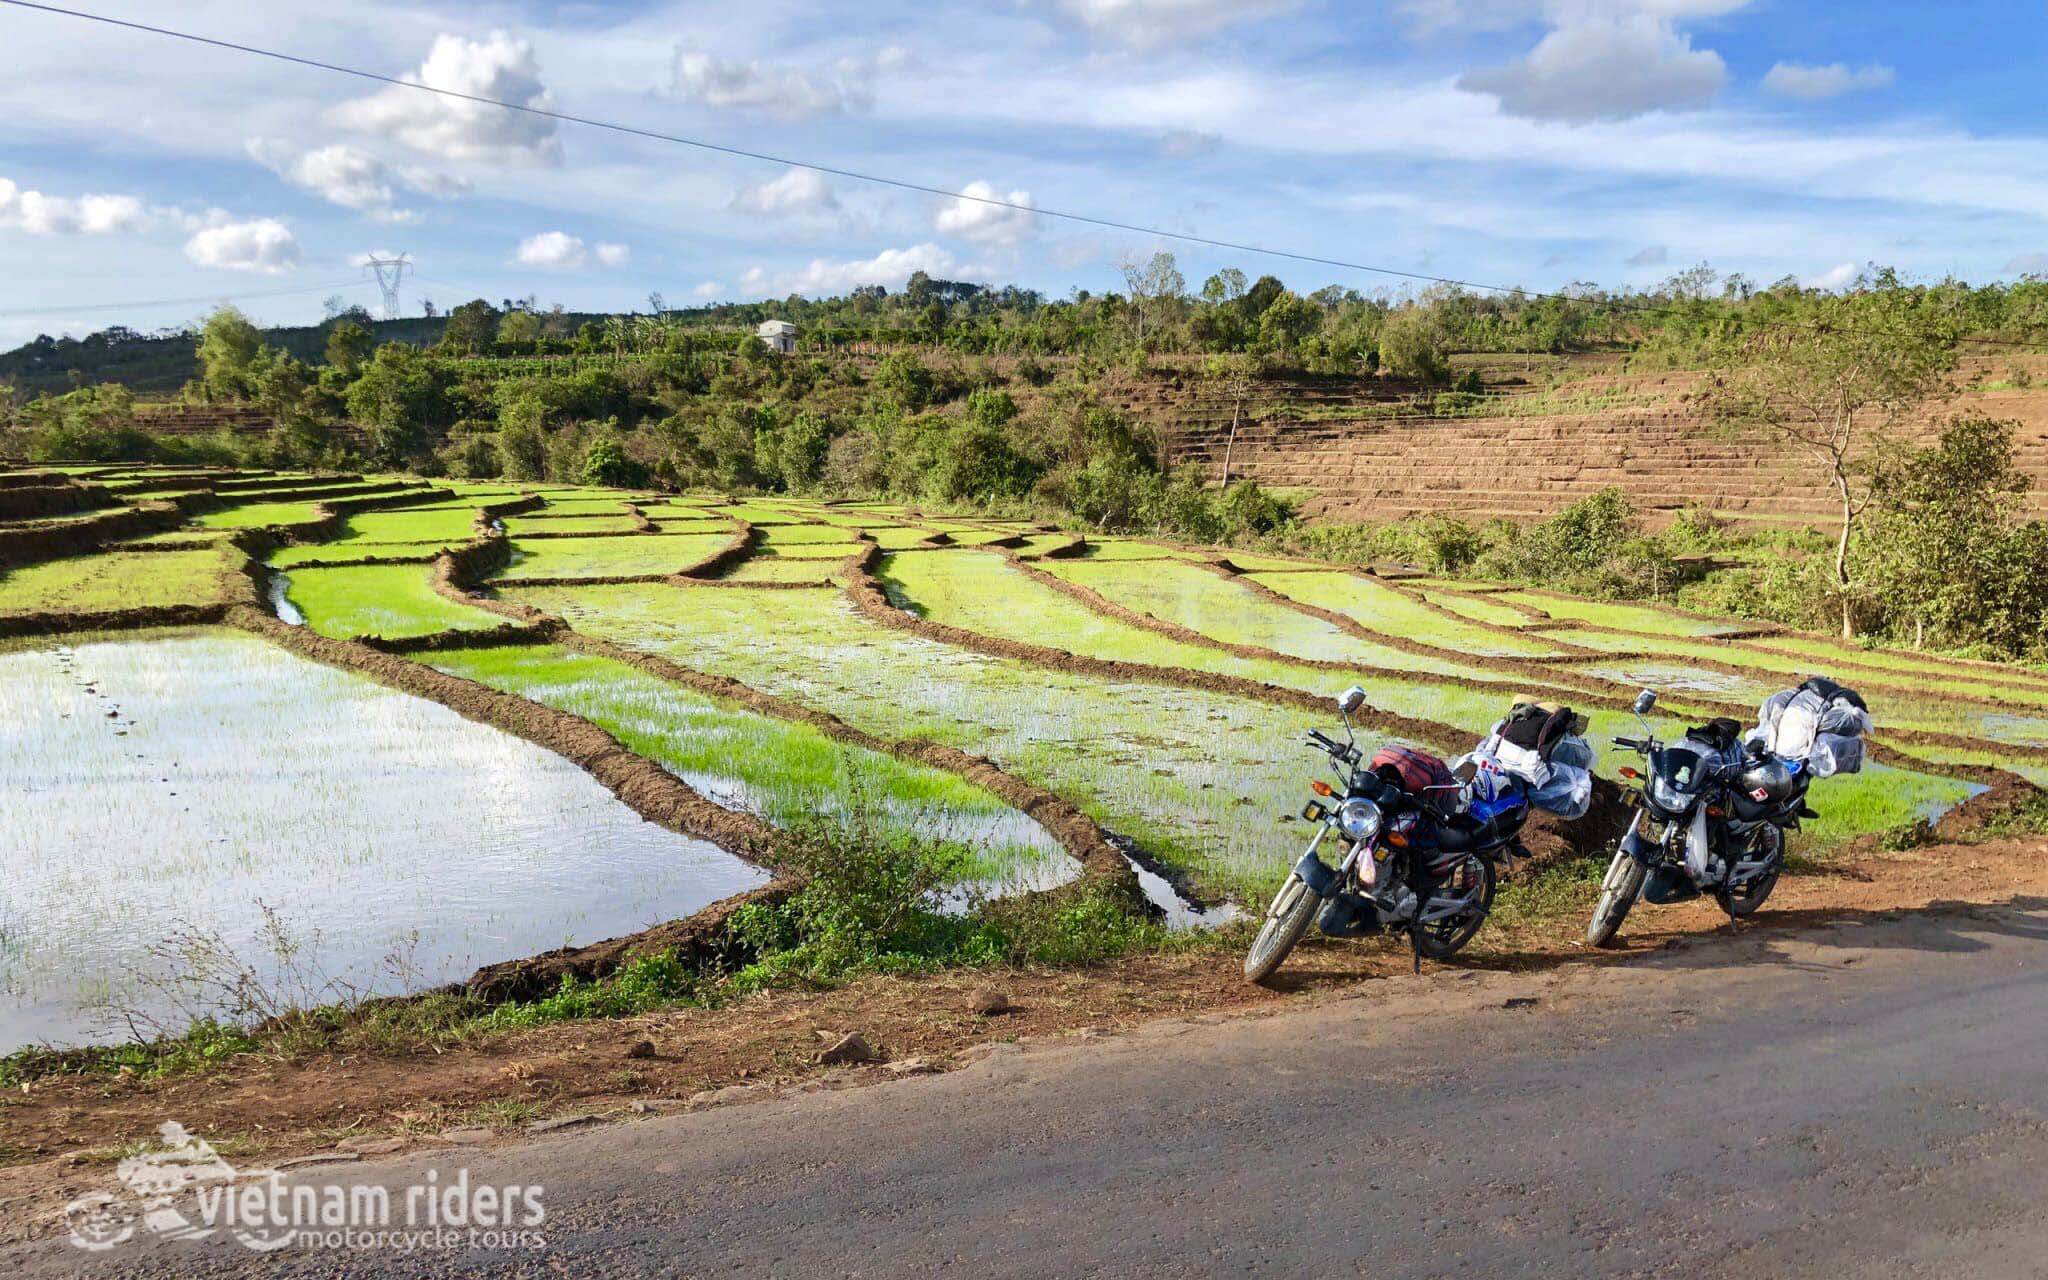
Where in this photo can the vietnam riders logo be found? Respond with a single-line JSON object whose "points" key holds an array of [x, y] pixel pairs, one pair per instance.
{"points": [[183, 1190], [164, 1186]]}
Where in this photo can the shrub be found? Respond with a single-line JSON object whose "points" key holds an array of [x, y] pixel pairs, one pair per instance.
{"points": [[605, 463], [1414, 345]]}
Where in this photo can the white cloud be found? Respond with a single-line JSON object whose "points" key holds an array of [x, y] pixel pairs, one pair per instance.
{"points": [[2028, 264], [1605, 67], [558, 250], [1150, 23], [1182, 143], [706, 289], [785, 92], [890, 267], [1840, 276], [1655, 255], [1793, 80], [498, 67], [968, 215], [263, 245], [796, 191], [1469, 17], [46, 215], [352, 177]]}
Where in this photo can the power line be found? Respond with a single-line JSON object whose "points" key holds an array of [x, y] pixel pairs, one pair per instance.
{"points": [[900, 184], [67, 308]]}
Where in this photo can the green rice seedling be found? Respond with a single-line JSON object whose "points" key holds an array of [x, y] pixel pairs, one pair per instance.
{"points": [[113, 580], [608, 505], [313, 552], [784, 569], [1252, 562], [670, 513], [1379, 607], [543, 523], [1132, 549], [978, 591], [393, 601], [1229, 611], [1625, 617], [1478, 608], [789, 773], [2009, 681], [402, 524], [1039, 543], [979, 537], [814, 550], [249, 814], [215, 536], [609, 557], [259, 515], [2034, 771], [1204, 781], [783, 536], [897, 537]]}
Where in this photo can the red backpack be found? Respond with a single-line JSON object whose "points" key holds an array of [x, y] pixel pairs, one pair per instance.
{"points": [[1415, 770]]}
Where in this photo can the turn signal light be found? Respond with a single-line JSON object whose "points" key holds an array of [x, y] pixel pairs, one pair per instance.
{"points": [[1321, 788], [1631, 774], [1396, 839], [1716, 811]]}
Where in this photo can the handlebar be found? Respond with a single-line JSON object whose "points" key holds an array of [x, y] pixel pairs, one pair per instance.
{"points": [[1337, 750], [1633, 744]]}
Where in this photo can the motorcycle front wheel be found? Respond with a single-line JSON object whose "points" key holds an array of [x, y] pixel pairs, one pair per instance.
{"points": [[1742, 901], [1286, 920], [1441, 939], [1618, 893]]}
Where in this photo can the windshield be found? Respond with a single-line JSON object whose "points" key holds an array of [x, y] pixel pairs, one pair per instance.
{"points": [[1681, 769]]}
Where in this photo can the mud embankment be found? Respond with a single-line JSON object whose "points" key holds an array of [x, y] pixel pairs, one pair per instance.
{"points": [[81, 537], [32, 502], [639, 783]]}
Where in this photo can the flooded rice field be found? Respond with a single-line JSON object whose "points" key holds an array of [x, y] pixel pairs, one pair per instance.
{"points": [[181, 809]]}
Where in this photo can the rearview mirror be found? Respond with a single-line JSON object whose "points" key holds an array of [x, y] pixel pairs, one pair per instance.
{"points": [[1645, 700], [1351, 699]]}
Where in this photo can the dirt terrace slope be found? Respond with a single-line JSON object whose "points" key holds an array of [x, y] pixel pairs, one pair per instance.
{"points": [[1366, 451]]}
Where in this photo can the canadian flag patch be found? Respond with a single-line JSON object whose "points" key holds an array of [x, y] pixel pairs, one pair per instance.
{"points": [[1760, 794]]}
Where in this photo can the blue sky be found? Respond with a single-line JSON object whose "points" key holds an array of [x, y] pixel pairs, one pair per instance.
{"points": [[1531, 142]]}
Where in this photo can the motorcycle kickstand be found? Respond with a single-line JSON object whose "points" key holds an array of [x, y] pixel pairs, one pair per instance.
{"points": [[1416, 944]]}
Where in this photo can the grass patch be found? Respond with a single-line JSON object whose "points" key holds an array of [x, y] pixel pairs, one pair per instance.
{"points": [[114, 580], [260, 515], [291, 557], [540, 523]]}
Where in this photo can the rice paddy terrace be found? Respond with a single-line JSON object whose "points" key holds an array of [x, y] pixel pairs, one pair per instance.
{"points": [[372, 733]]}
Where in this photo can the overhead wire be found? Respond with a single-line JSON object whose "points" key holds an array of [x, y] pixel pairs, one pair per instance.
{"points": [[903, 184]]}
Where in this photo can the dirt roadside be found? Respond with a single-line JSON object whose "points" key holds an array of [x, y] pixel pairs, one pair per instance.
{"points": [[58, 1137]]}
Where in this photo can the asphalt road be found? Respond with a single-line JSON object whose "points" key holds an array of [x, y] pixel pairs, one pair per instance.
{"points": [[1853, 1101]]}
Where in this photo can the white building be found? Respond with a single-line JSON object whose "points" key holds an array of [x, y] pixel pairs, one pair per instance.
{"points": [[780, 335]]}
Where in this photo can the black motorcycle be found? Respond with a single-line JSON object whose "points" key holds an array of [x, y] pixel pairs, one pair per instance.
{"points": [[1711, 817], [1413, 864]]}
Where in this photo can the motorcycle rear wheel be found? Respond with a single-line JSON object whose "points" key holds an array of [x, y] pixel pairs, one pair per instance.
{"points": [[1286, 921], [1618, 893], [1445, 938], [1741, 903]]}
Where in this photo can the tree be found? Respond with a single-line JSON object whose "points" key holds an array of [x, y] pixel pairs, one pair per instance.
{"points": [[1414, 344], [1157, 279], [1231, 376], [1938, 539], [1287, 322], [348, 345], [227, 343], [518, 329], [1827, 374], [605, 463], [472, 327], [400, 400]]}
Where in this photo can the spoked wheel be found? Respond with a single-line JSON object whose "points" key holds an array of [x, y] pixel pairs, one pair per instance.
{"points": [[1741, 901], [1618, 893], [1474, 878], [1286, 920]]}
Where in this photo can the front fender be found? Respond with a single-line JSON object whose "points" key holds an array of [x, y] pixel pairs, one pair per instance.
{"points": [[1320, 879], [1633, 844]]}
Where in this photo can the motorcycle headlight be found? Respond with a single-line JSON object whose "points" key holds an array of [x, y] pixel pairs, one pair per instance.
{"points": [[1667, 797], [1358, 819]]}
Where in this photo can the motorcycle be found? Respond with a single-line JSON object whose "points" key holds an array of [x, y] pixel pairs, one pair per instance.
{"points": [[1410, 865], [1710, 817]]}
